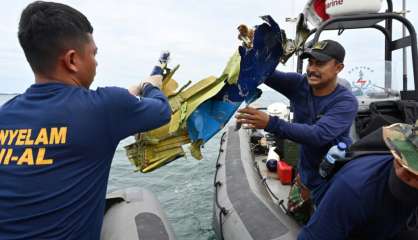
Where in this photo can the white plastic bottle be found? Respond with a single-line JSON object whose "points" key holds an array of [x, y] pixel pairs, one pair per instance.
{"points": [[328, 162], [272, 160]]}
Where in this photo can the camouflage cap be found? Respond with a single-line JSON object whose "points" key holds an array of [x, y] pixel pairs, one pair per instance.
{"points": [[402, 140]]}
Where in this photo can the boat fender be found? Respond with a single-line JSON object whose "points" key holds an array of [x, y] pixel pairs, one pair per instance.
{"points": [[348, 7]]}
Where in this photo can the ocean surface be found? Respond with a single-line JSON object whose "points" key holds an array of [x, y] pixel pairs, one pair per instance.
{"points": [[183, 187]]}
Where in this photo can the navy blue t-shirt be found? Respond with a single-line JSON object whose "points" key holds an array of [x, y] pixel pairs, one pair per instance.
{"points": [[358, 203], [57, 144], [319, 122]]}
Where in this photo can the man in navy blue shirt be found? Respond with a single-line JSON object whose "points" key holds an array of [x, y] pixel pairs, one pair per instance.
{"points": [[323, 110], [58, 138], [374, 196]]}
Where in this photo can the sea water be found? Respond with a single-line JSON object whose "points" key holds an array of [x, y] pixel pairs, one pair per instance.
{"points": [[184, 187]]}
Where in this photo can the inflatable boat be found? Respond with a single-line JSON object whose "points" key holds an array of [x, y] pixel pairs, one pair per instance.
{"points": [[135, 214], [248, 199]]}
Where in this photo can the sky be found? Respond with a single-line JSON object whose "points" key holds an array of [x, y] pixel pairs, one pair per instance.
{"points": [[201, 36]]}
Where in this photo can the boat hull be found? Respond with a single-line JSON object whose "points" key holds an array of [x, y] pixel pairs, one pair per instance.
{"points": [[135, 213], [243, 209]]}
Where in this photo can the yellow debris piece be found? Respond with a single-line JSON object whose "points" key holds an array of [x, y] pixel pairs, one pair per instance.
{"points": [[160, 146]]}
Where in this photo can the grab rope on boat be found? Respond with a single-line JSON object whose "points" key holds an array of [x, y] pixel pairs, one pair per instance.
{"points": [[217, 184], [264, 181]]}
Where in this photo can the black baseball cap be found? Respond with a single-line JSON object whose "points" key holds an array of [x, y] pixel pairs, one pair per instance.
{"points": [[325, 50]]}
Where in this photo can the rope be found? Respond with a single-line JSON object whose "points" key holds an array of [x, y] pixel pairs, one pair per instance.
{"points": [[264, 181], [217, 184]]}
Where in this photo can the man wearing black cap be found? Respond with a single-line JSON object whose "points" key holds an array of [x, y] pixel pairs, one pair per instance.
{"points": [[323, 110]]}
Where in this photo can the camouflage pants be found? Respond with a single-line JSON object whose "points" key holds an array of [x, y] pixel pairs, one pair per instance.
{"points": [[299, 204]]}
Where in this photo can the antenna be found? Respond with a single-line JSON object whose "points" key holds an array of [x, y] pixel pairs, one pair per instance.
{"points": [[404, 57]]}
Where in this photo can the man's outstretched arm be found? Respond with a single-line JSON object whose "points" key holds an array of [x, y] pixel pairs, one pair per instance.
{"points": [[331, 125], [129, 114], [286, 83], [323, 132]]}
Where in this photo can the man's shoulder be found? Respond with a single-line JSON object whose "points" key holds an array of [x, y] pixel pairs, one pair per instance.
{"points": [[365, 172], [111, 94], [101, 95], [343, 96], [343, 91], [112, 98], [10, 101], [110, 91]]}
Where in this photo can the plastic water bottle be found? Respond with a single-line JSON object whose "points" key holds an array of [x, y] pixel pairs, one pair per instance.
{"points": [[328, 162]]}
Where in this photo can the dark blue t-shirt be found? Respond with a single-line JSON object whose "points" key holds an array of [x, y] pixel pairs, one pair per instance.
{"points": [[319, 122], [57, 144], [358, 203]]}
